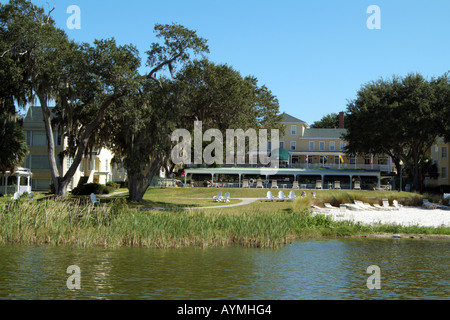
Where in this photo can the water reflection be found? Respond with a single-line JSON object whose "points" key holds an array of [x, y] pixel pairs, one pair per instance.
{"points": [[313, 269]]}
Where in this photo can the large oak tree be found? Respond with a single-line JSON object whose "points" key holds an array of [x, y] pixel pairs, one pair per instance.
{"points": [[400, 117]]}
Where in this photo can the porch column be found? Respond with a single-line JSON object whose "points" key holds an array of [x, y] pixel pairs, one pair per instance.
{"points": [[18, 184], [351, 184], [28, 184], [239, 185]]}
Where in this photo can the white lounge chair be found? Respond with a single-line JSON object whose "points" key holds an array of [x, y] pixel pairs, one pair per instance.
{"points": [[364, 206], [319, 184], [291, 195], [429, 205], [281, 196], [295, 185], [329, 206], [357, 185], [386, 205], [218, 197], [337, 185], [269, 196], [226, 198], [94, 199], [274, 184], [353, 207], [397, 205], [245, 184]]}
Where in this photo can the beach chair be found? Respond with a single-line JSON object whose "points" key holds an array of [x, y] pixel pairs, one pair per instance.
{"points": [[295, 185], [218, 197], [429, 205], [94, 199], [274, 184], [281, 196], [337, 185], [259, 184], [386, 205], [226, 197], [329, 206], [397, 205], [291, 195], [319, 184], [357, 185], [245, 183], [269, 196]]}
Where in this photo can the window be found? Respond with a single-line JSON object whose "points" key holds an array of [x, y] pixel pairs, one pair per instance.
{"points": [[342, 146], [293, 130], [293, 145], [311, 146], [444, 152], [39, 163], [281, 144], [39, 139], [269, 145], [337, 160], [332, 146], [322, 146], [352, 160], [444, 173]]}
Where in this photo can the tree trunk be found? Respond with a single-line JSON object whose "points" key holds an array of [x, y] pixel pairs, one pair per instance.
{"points": [[137, 186], [139, 181]]}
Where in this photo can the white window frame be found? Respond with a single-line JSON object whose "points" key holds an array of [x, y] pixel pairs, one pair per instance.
{"points": [[332, 146], [321, 145], [293, 130], [293, 146]]}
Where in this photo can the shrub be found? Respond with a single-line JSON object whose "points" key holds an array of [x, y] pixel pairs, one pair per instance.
{"points": [[88, 188]]}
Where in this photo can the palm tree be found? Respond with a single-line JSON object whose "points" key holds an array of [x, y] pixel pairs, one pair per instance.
{"points": [[13, 148]]}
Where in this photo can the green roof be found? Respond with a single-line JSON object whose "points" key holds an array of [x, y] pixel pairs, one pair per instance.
{"points": [[290, 119], [34, 114], [324, 133]]}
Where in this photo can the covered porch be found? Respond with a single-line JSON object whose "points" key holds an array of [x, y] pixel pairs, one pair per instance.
{"points": [[17, 182], [285, 178]]}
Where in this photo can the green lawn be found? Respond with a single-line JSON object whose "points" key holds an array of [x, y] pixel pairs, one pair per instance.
{"points": [[179, 198]]}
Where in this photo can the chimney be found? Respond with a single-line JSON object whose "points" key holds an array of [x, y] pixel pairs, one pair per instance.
{"points": [[341, 120]]}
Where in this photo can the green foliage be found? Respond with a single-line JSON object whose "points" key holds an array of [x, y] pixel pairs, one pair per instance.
{"points": [[95, 188], [400, 117], [12, 145], [329, 121]]}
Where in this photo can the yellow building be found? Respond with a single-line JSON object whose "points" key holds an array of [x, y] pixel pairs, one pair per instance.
{"points": [[95, 168], [440, 157], [319, 148]]}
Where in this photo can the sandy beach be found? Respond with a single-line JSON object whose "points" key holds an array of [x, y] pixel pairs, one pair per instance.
{"points": [[405, 216]]}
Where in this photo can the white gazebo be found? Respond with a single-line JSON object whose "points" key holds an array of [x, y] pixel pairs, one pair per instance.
{"points": [[19, 181]]}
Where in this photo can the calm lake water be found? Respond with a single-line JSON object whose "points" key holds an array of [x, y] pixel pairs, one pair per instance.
{"points": [[313, 269]]}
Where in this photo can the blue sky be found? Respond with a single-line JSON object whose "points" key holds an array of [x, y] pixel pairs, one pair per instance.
{"points": [[313, 55]]}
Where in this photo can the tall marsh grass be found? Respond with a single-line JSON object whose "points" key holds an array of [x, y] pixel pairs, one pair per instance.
{"points": [[115, 225]]}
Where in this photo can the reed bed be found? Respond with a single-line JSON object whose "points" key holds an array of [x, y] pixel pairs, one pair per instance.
{"points": [[115, 225]]}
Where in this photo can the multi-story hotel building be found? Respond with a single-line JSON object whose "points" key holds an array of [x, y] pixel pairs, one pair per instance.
{"points": [[97, 167], [324, 148]]}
